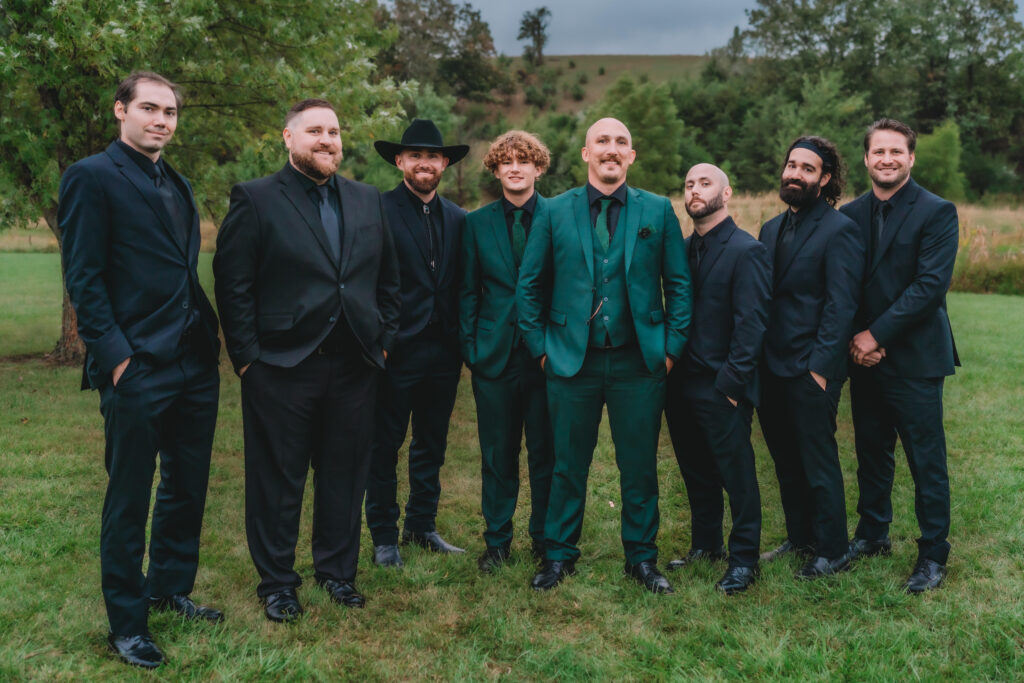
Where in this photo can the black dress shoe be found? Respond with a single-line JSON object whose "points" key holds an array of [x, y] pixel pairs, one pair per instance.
{"points": [[862, 547], [822, 566], [283, 606], [737, 579], [494, 558], [183, 605], [387, 556], [551, 574], [694, 555], [927, 575], [431, 540], [647, 575], [136, 650], [343, 593], [787, 548]]}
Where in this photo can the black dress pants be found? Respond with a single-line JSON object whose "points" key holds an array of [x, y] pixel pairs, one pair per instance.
{"points": [[798, 420], [171, 410], [711, 439], [420, 383], [318, 413], [885, 406]]}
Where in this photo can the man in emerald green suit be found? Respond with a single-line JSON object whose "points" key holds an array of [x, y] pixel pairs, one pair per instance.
{"points": [[507, 382], [604, 305]]}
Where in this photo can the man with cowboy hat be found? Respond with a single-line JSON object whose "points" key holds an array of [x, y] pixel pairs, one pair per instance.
{"points": [[422, 371]]}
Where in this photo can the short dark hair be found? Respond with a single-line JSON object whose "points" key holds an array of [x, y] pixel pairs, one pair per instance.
{"points": [[885, 123], [831, 162], [125, 92], [299, 107]]}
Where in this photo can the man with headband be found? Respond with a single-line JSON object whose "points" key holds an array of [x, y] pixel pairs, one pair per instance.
{"points": [[818, 258], [710, 398]]}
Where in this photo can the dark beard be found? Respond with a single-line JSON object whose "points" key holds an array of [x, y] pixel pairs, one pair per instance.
{"points": [[801, 196], [710, 206], [422, 186], [308, 166]]}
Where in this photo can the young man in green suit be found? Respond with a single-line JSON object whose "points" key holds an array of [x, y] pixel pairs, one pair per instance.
{"points": [[508, 384], [604, 305]]}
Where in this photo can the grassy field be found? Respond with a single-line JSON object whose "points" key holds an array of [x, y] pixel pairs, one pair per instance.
{"points": [[440, 619]]}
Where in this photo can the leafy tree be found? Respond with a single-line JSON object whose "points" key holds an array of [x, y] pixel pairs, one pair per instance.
{"points": [[442, 43], [241, 63], [534, 28], [937, 164]]}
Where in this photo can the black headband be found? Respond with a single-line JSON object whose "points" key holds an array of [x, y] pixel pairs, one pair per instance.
{"points": [[825, 157]]}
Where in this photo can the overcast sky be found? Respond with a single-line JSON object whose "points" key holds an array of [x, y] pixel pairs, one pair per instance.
{"points": [[649, 27]]}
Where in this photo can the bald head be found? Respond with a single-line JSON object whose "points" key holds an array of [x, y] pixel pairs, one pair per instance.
{"points": [[706, 194], [608, 153], [609, 125]]}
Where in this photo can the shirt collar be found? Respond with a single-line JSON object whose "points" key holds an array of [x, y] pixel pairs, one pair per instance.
{"points": [[893, 200], [713, 231], [306, 182], [148, 166], [593, 194], [528, 207], [434, 203]]}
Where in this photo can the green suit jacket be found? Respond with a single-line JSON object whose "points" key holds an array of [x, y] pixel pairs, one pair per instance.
{"points": [[487, 289], [555, 295]]}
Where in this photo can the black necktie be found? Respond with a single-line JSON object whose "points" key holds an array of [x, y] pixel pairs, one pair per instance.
{"points": [[172, 202], [329, 219], [702, 249], [881, 213], [433, 238]]}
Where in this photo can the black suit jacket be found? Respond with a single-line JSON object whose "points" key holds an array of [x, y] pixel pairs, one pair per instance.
{"points": [[814, 294], [906, 280], [422, 289], [129, 276], [280, 290], [731, 293]]}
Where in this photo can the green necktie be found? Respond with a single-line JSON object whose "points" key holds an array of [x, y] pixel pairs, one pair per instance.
{"points": [[518, 235], [601, 226]]}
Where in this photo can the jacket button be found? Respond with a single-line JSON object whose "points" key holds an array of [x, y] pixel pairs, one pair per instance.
{"points": [[341, 286], [185, 305], [331, 319]]}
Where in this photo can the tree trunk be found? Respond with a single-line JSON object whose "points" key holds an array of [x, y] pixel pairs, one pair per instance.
{"points": [[69, 349]]}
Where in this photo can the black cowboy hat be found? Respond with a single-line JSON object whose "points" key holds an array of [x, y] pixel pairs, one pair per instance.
{"points": [[421, 134]]}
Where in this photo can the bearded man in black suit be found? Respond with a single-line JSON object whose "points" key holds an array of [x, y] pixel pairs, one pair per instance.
{"points": [[307, 287]]}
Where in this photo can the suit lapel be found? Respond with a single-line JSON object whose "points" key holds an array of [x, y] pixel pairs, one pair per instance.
{"points": [[293, 192], [499, 233], [450, 232], [412, 223], [807, 228], [630, 221], [144, 184], [716, 248], [893, 224], [193, 228], [349, 217], [584, 229]]}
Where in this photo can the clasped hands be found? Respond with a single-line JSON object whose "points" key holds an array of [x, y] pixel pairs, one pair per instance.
{"points": [[864, 349]]}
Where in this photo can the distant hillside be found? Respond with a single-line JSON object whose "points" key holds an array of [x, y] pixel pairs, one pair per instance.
{"points": [[571, 69]]}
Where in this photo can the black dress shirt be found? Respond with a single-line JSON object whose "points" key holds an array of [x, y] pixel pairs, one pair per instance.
{"points": [[618, 198], [698, 248], [312, 191]]}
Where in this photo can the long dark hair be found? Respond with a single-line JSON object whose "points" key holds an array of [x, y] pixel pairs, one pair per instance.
{"points": [[831, 163]]}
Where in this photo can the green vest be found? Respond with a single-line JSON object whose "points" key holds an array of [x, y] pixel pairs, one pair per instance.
{"points": [[613, 324]]}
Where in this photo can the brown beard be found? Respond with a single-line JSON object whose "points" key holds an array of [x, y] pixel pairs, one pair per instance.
{"points": [[710, 206], [422, 186], [308, 165]]}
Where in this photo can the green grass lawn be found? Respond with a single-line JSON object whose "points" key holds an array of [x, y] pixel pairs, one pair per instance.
{"points": [[439, 618]]}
